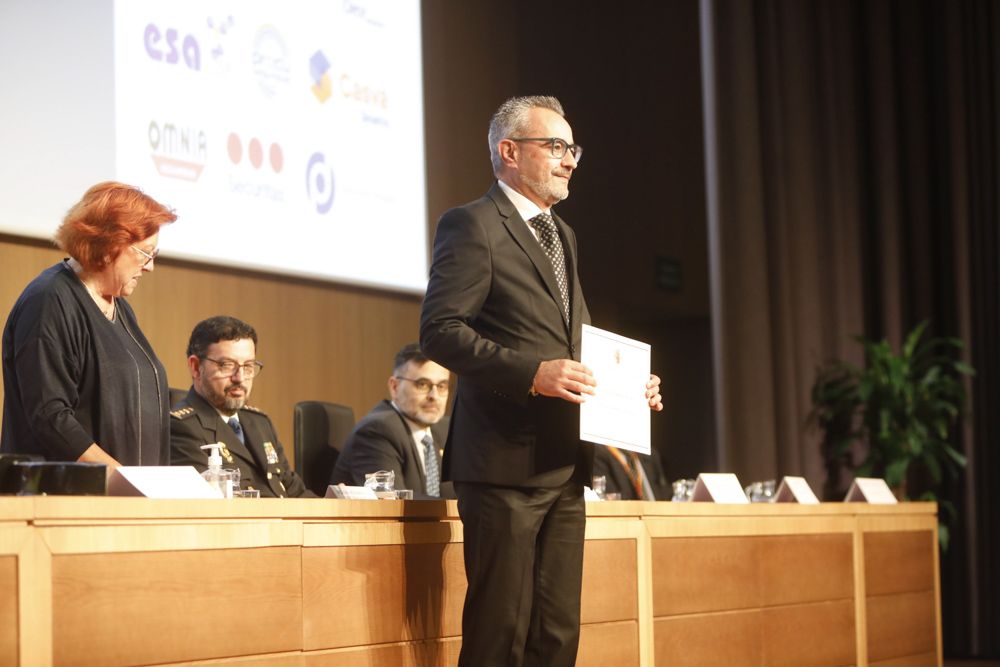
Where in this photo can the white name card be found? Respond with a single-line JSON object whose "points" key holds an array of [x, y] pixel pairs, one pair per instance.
{"points": [[795, 490], [345, 492], [719, 487], [870, 490], [160, 482]]}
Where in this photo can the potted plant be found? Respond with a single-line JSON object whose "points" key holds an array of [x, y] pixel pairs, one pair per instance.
{"points": [[900, 407]]}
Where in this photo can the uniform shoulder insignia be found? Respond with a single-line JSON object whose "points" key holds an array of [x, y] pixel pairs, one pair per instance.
{"points": [[182, 413], [254, 409]]}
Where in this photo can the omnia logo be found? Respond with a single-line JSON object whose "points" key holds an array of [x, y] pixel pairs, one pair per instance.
{"points": [[178, 152]]}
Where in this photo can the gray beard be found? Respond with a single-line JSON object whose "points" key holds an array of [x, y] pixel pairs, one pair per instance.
{"points": [[547, 191]]}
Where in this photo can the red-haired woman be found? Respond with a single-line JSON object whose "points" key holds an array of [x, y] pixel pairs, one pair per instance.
{"points": [[81, 382]]}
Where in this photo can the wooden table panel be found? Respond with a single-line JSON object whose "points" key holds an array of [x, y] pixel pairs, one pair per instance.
{"points": [[704, 574], [168, 606], [377, 594], [8, 610], [604, 644], [806, 568], [819, 634], [899, 562], [610, 585], [901, 625], [430, 653], [725, 638]]}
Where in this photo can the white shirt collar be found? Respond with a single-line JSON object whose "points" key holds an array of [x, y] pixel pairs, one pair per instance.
{"points": [[526, 208]]}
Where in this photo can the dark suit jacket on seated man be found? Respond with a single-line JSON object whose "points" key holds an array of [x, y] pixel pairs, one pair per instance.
{"points": [[405, 434], [223, 364], [504, 310]]}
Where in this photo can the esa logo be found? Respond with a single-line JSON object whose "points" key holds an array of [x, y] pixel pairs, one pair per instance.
{"points": [[168, 46]]}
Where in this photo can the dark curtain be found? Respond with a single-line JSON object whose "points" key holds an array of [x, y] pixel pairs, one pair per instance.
{"points": [[851, 171]]}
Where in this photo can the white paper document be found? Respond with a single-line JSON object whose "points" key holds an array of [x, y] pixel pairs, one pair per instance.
{"points": [[160, 482], [618, 412]]}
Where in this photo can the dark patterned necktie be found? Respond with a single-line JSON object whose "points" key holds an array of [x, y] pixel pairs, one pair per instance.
{"points": [[235, 424], [431, 470], [548, 237]]}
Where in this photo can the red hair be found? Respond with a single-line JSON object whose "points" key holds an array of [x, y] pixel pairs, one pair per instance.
{"points": [[110, 217]]}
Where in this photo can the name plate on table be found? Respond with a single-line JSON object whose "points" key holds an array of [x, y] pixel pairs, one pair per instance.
{"points": [[345, 492], [174, 482], [870, 490], [795, 490], [719, 487]]}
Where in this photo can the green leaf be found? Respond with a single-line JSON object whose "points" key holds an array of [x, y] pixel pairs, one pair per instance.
{"points": [[895, 471]]}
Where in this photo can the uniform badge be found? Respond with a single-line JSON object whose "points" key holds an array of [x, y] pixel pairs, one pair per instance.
{"points": [[225, 453], [272, 456]]}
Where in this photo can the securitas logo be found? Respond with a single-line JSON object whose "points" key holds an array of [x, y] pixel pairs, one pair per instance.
{"points": [[166, 44], [319, 183], [255, 170], [177, 151]]}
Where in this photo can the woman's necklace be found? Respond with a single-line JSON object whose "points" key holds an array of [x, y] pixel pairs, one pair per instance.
{"points": [[108, 310]]}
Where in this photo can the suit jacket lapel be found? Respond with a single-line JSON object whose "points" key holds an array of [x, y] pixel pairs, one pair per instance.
{"points": [[255, 442], [518, 228], [212, 421], [407, 439]]}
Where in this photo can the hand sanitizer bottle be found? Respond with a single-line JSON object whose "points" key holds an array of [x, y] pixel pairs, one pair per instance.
{"points": [[214, 475]]}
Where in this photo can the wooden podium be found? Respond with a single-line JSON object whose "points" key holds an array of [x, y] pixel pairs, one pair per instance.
{"points": [[128, 581]]}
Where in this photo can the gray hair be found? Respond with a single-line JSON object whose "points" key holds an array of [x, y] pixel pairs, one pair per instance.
{"points": [[511, 119]]}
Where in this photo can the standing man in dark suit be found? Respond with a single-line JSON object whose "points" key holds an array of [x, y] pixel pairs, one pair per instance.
{"points": [[222, 358], [404, 434], [504, 310]]}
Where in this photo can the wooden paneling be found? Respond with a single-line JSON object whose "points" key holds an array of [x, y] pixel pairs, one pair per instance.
{"points": [[805, 568], [829, 627], [758, 637], [924, 660], [145, 607], [899, 562], [379, 594], [728, 638], [610, 587], [281, 660], [901, 625], [604, 644], [8, 610], [703, 574], [748, 572], [437, 653]]}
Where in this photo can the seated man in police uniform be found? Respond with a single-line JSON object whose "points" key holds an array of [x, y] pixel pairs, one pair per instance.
{"points": [[404, 434], [222, 358]]}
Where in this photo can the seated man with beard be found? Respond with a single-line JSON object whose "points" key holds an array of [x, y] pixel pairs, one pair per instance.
{"points": [[222, 358], [404, 434]]}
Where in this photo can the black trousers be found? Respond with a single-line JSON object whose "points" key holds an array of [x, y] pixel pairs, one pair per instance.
{"points": [[524, 564]]}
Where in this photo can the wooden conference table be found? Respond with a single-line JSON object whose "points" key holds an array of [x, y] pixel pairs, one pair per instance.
{"points": [[129, 581]]}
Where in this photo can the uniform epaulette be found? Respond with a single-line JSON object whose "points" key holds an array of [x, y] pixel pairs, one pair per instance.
{"points": [[254, 409], [182, 413]]}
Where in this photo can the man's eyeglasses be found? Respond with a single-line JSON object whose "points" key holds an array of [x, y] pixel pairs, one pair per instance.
{"points": [[228, 367], [149, 256], [423, 385], [558, 146]]}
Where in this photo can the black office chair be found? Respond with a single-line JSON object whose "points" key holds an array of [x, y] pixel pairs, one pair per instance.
{"points": [[176, 395], [321, 429]]}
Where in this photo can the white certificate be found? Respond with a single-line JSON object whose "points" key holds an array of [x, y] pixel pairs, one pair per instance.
{"points": [[618, 412]]}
